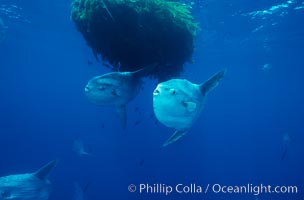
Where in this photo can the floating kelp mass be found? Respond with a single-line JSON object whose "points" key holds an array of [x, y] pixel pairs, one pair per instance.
{"points": [[131, 34]]}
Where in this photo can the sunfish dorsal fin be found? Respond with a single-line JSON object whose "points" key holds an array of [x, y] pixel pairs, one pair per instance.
{"points": [[144, 71], [176, 136], [212, 82], [122, 114], [43, 172]]}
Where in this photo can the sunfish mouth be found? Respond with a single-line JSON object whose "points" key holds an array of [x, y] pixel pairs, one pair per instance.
{"points": [[87, 89], [156, 92]]}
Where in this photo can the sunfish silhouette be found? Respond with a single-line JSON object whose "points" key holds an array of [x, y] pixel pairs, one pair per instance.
{"points": [[116, 89], [287, 139], [80, 193], [177, 103], [29, 186], [79, 149]]}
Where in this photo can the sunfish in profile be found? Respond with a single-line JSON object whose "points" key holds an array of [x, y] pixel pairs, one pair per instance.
{"points": [[177, 103], [116, 89], [79, 149], [29, 186], [80, 193], [287, 140]]}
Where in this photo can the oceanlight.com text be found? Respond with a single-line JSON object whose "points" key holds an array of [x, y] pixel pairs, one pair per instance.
{"points": [[194, 188], [254, 189]]}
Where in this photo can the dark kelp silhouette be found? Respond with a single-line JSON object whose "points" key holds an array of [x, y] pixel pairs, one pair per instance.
{"points": [[130, 34]]}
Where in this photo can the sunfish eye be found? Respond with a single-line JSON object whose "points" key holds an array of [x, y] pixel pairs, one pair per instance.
{"points": [[101, 88], [172, 91]]}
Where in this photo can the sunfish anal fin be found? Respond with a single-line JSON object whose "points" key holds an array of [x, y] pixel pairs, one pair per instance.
{"points": [[44, 171], [212, 82], [122, 114], [175, 137]]}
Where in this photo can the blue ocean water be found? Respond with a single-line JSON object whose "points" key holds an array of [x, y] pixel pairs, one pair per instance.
{"points": [[238, 139]]}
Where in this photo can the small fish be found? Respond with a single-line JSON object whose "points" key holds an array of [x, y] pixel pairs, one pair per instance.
{"points": [[178, 103], [141, 162], [136, 109], [137, 122]]}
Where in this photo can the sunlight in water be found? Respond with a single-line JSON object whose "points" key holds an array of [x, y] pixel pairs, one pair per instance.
{"points": [[280, 9]]}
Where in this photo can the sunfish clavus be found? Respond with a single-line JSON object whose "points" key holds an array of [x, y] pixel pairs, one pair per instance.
{"points": [[177, 103], [116, 89], [29, 186]]}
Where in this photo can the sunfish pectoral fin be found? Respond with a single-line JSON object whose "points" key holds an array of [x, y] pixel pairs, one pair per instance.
{"points": [[116, 93], [84, 153], [44, 171], [122, 114], [212, 82], [191, 106], [176, 136]]}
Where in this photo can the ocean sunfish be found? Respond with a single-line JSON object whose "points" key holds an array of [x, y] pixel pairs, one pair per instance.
{"points": [[177, 103], [116, 89], [287, 140], [79, 149], [29, 186], [79, 192]]}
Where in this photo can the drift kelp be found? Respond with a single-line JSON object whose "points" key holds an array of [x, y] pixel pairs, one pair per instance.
{"points": [[130, 34]]}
